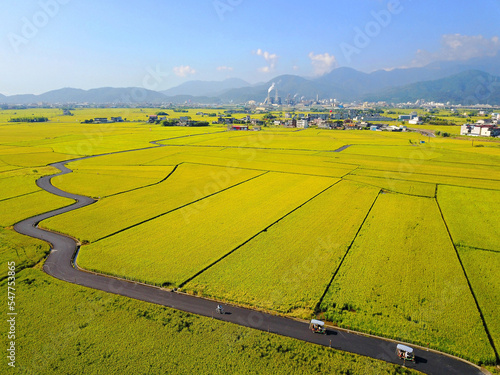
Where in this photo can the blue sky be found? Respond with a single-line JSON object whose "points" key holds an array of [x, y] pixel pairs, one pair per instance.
{"points": [[157, 44]]}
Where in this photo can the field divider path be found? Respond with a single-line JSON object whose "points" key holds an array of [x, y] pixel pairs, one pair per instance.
{"points": [[317, 308], [145, 186], [426, 182], [60, 264], [268, 170], [178, 208], [19, 196], [483, 320], [259, 148], [255, 235]]}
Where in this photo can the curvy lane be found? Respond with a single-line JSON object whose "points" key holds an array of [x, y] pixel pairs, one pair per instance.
{"points": [[60, 264]]}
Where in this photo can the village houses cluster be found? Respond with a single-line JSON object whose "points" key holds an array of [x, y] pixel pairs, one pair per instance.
{"points": [[483, 128]]}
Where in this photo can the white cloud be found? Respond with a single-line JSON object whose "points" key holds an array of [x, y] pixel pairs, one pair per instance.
{"points": [[459, 47], [183, 70], [271, 59], [322, 63], [225, 68]]}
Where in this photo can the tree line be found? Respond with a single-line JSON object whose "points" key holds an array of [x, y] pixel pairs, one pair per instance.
{"points": [[29, 119]]}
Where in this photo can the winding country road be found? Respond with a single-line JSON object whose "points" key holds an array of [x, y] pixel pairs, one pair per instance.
{"points": [[60, 264]]}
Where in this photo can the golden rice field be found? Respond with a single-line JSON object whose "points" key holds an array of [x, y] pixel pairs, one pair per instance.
{"points": [[472, 216], [201, 233], [109, 180], [24, 251], [482, 270], [402, 279], [187, 184], [288, 266], [25, 206], [264, 219]]}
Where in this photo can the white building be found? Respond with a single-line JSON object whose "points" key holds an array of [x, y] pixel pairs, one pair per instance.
{"points": [[480, 130], [302, 124], [415, 121]]}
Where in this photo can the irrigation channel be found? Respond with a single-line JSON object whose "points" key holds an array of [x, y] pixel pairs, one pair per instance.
{"points": [[61, 264]]}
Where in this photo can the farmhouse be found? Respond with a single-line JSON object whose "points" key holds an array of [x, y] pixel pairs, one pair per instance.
{"points": [[411, 116], [101, 120], [480, 130], [302, 124], [415, 121], [239, 127], [256, 122]]}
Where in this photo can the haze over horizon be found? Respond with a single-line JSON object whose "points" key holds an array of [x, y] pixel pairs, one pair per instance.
{"points": [[51, 44]]}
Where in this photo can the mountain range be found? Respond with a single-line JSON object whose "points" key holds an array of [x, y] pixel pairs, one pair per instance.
{"points": [[468, 82]]}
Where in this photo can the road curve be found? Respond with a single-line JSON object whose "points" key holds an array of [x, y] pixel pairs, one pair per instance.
{"points": [[60, 264]]}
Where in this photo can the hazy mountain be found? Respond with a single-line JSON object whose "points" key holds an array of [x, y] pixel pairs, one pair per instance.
{"points": [[347, 84], [469, 87], [206, 88], [344, 84], [98, 96], [181, 99], [19, 99], [286, 85]]}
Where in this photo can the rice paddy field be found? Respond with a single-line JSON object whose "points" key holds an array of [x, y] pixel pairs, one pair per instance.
{"points": [[68, 329], [412, 284], [390, 236]]}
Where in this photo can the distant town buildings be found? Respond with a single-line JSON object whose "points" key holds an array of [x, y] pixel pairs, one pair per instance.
{"points": [[303, 124], [409, 117], [482, 129]]}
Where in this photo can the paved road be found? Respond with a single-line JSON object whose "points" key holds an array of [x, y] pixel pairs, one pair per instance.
{"points": [[60, 265]]}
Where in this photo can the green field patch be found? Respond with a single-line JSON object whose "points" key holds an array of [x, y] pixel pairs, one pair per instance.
{"points": [[17, 209], [402, 279], [6, 168], [109, 215], [471, 216], [288, 267], [9, 150], [484, 149], [105, 181], [22, 250], [400, 152], [22, 181], [174, 247], [38, 159], [483, 270], [430, 178], [372, 138], [257, 160], [397, 186], [452, 163], [90, 139], [265, 140], [450, 129], [132, 158], [73, 325]]}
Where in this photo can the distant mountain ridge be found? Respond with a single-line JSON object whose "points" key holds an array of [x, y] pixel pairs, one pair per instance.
{"points": [[469, 88], [205, 88], [441, 81]]}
